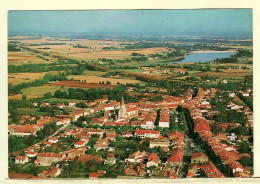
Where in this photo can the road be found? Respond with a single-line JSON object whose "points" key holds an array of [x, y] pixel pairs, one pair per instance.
{"points": [[54, 134]]}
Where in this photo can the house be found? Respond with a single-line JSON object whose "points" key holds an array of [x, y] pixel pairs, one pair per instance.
{"points": [[199, 158], [54, 139], [47, 143], [81, 143], [137, 157], [130, 171], [63, 121], [176, 157], [72, 153], [44, 104], [245, 94], [35, 104], [148, 123], [111, 160], [61, 106], [21, 159], [111, 135], [236, 167], [164, 121], [31, 154], [46, 159], [95, 131], [11, 129], [25, 130], [72, 104], [152, 134], [153, 160], [99, 146], [164, 142]]}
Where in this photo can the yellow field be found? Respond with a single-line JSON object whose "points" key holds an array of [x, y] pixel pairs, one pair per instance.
{"points": [[17, 78], [97, 79]]}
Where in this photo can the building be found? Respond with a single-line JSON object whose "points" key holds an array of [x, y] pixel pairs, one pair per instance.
{"points": [[46, 159], [164, 142], [153, 160], [199, 158], [164, 121], [122, 114], [110, 159], [137, 157], [152, 134], [21, 159]]}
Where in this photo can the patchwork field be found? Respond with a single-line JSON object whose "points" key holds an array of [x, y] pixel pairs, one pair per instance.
{"points": [[19, 58], [96, 52]]}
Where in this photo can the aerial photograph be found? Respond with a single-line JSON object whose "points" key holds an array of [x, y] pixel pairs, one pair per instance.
{"points": [[130, 94]]}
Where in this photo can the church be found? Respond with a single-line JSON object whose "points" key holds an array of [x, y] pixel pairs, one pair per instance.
{"points": [[126, 112]]}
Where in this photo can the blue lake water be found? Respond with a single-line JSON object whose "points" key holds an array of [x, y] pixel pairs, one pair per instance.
{"points": [[204, 57]]}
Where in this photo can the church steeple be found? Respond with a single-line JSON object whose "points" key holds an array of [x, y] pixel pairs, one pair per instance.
{"points": [[122, 101]]}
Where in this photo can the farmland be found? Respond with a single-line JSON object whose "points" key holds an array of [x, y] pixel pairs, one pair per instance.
{"points": [[17, 78], [39, 91], [97, 79], [26, 57], [227, 73]]}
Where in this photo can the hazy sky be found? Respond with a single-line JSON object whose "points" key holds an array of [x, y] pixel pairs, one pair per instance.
{"points": [[222, 21]]}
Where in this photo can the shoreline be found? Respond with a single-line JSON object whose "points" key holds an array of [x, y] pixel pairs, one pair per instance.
{"points": [[211, 51]]}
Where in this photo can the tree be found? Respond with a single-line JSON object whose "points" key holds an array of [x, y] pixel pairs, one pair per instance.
{"points": [[47, 95], [31, 139], [245, 161], [24, 97], [119, 138], [134, 119], [16, 117]]}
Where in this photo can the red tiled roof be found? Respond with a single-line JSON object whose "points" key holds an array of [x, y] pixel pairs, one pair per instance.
{"points": [[49, 155]]}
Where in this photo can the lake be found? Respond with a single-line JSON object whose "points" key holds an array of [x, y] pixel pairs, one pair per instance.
{"points": [[204, 57]]}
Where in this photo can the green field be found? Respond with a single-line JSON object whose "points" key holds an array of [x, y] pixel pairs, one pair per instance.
{"points": [[62, 100], [31, 111], [93, 73], [39, 91], [133, 70]]}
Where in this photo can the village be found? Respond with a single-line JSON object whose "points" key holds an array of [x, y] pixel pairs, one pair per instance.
{"points": [[175, 137]]}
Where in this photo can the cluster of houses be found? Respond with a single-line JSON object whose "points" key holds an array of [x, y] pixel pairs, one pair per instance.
{"points": [[145, 114]]}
